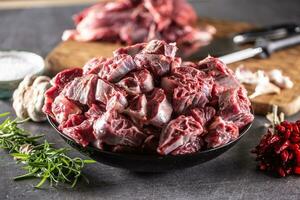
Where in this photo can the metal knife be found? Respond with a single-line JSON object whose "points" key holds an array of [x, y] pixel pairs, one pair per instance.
{"points": [[263, 48], [223, 46]]}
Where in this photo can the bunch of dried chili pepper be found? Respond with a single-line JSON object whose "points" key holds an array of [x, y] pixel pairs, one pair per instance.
{"points": [[279, 149]]}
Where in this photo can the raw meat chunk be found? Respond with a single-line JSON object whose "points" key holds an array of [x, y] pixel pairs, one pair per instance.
{"points": [[213, 67], [50, 96], [113, 128], [132, 21], [181, 135], [235, 106], [82, 133], [203, 115], [159, 109], [62, 109], [221, 132], [188, 87], [116, 68], [130, 50], [107, 94], [94, 65], [82, 89], [161, 47], [94, 112], [73, 120], [157, 64], [190, 147], [64, 77], [137, 109], [137, 82]]}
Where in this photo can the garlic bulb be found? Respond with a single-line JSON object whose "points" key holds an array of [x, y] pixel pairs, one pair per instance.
{"points": [[28, 98], [265, 82]]}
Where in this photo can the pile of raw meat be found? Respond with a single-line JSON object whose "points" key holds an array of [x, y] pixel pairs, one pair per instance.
{"points": [[135, 21], [146, 100]]}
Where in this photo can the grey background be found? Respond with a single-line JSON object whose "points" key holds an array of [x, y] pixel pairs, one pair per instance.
{"points": [[233, 175]]}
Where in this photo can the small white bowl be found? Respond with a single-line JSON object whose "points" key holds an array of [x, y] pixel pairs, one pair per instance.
{"points": [[7, 87]]}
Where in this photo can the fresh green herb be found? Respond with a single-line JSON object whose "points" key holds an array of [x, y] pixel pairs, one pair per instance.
{"points": [[40, 161]]}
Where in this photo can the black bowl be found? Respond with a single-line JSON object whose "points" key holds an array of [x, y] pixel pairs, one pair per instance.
{"points": [[148, 163]]}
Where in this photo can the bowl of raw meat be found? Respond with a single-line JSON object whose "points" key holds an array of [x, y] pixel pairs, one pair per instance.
{"points": [[146, 110]]}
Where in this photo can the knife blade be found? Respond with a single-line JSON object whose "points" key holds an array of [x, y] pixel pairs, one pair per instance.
{"points": [[263, 48], [226, 45]]}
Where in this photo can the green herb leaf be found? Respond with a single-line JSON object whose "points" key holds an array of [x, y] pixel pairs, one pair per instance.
{"points": [[40, 160]]}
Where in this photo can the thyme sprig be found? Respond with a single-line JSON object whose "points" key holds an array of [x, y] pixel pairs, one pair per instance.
{"points": [[40, 160]]}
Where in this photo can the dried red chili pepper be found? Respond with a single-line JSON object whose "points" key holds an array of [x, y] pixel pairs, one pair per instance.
{"points": [[279, 149]]}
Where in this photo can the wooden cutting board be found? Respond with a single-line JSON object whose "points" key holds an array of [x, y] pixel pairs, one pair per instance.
{"points": [[75, 54]]}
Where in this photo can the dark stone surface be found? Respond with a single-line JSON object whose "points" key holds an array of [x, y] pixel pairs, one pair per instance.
{"points": [[233, 175]]}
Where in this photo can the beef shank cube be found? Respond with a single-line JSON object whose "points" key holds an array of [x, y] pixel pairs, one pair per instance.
{"points": [[104, 91], [184, 77], [188, 74], [169, 83], [130, 50], [65, 76], [82, 133], [131, 85], [180, 134], [159, 109], [157, 64], [50, 96], [203, 115], [108, 94], [137, 82], [223, 76], [82, 89], [63, 108], [161, 47], [213, 67], [113, 128], [188, 87], [190, 147], [228, 82], [73, 120], [221, 132], [235, 106], [186, 98], [117, 102], [137, 109], [94, 66], [94, 111], [145, 80], [115, 69]]}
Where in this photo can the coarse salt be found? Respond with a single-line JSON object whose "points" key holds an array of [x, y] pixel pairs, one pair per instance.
{"points": [[15, 65]]}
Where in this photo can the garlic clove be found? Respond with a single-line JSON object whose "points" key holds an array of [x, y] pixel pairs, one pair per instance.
{"points": [[279, 79], [265, 88]]}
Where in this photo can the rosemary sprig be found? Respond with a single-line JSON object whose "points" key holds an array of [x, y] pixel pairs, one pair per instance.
{"points": [[40, 160]]}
